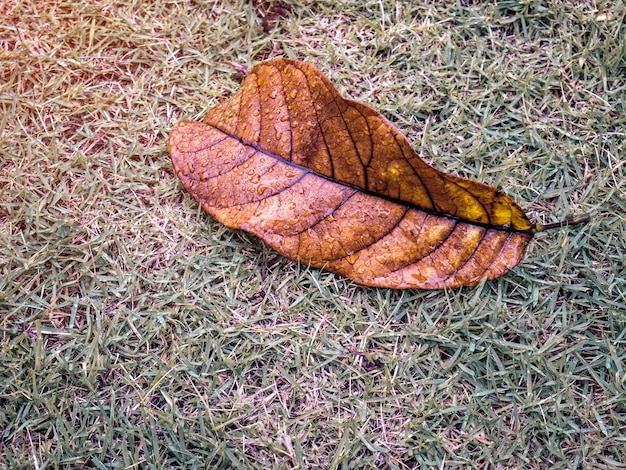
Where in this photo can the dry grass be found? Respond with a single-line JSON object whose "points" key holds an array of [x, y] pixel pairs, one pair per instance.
{"points": [[135, 332]]}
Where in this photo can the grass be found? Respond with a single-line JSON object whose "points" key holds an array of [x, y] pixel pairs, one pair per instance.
{"points": [[136, 332]]}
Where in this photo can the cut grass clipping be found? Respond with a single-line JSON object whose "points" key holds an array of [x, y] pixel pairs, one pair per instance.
{"points": [[136, 332]]}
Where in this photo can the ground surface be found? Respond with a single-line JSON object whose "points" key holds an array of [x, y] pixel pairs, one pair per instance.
{"points": [[136, 332]]}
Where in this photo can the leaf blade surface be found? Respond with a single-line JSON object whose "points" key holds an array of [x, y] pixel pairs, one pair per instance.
{"points": [[330, 182]]}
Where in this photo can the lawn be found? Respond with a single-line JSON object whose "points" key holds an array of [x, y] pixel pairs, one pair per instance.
{"points": [[137, 332]]}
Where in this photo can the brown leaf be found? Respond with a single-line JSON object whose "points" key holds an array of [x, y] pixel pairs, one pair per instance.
{"points": [[332, 183]]}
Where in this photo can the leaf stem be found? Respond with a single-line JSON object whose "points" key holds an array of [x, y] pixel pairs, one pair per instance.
{"points": [[579, 219]]}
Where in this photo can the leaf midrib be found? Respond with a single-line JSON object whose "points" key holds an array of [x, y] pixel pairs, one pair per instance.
{"points": [[410, 205]]}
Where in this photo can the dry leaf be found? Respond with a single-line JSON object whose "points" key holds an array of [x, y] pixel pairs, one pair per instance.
{"points": [[332, 183]]}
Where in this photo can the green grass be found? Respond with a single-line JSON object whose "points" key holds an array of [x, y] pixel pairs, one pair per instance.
{"points": [[136, 332]]}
